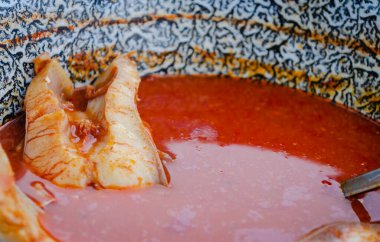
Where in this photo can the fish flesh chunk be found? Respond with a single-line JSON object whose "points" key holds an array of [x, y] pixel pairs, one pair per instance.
{"points": [[344, 232], [103, 143], [18, 214]]}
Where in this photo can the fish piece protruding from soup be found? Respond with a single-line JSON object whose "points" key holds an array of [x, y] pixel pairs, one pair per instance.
{"points": [[344, 232], [18, 214], [100, 140]]}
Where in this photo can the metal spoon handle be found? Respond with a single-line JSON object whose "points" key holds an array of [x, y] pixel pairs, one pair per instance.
{"points": [[362, 183]]}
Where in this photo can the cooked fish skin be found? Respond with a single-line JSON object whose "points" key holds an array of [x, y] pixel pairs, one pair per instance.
{"points": [[18, 214], [123, 156]]}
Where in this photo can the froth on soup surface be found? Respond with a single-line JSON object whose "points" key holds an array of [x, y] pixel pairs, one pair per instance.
{"points": [[253, 162]]}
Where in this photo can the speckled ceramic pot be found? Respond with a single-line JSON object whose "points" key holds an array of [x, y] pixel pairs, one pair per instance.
{"points": [[328, 48]]}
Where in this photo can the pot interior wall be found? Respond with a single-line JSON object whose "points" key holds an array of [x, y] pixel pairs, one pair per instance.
{"points": [[330, 48]]}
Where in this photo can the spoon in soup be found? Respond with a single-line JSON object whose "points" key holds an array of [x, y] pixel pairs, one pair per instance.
{"points": [[362, 183]]}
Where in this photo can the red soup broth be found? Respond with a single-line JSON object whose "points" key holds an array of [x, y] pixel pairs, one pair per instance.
{"points": [[252, 162]]}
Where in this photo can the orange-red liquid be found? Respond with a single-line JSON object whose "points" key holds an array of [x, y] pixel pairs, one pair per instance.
{"points": [[252, 162]]}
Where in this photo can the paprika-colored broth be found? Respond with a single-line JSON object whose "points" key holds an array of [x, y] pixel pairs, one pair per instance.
{"points": [[252, 162]]}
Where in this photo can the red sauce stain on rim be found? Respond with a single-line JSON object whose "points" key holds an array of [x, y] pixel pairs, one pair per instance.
{"points": [[253, 162], [361, 45], [86, 66]]}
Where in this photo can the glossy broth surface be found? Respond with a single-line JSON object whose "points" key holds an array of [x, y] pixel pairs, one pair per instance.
{"points": [[253, 162]]}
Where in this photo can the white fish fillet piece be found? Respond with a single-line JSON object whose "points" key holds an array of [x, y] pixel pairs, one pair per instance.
{"points": [[48, 150], [124, 156], [127, 155], [18, 214], [344, 232]]}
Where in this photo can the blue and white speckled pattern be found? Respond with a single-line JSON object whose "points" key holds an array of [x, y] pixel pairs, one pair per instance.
{"points": [[330, 48]]}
